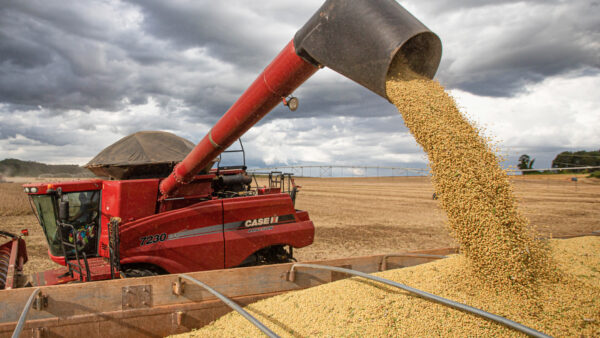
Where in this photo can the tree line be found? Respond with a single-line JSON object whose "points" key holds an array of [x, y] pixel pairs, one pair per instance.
{"points": [[566, 159]]}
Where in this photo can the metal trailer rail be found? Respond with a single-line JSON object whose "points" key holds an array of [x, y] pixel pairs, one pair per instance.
{"points": [[507, 322], [232, 305]]}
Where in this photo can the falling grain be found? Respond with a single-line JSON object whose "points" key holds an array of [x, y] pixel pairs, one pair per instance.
{"points": [[473, 189]]}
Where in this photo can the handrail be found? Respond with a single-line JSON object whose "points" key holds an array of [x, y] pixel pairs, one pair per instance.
{"points": [[233, 305], [21, 321], [514, 325]]}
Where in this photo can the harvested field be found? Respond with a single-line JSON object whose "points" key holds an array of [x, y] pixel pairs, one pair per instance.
{"points": [[363, 216], [13, 201], [355, 307]]}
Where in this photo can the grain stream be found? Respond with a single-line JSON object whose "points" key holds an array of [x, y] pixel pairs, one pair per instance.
{"points": [[473, 189]]}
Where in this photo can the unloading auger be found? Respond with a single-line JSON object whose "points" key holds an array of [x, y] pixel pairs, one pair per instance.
{"points": [[357, 38]]}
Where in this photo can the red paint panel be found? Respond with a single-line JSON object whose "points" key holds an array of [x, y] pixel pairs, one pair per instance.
{"points": [[193, 239], [191, 193], [130, 200], [239, 244], [302, 215]]}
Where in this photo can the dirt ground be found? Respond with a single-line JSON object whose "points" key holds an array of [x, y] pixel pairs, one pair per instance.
{"points": [[363, 216]]}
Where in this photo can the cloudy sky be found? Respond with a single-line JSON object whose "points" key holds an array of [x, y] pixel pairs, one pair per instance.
{"points": [[77, 76]]}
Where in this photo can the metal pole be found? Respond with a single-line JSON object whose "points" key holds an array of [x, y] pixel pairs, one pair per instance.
{"points": [[426, 295], [232, 305], [21, 321]]}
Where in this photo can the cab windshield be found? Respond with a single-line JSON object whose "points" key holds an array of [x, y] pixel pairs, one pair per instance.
{"points": [[83, 216]]}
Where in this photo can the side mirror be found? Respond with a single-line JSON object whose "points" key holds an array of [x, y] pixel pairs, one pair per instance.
{"points": [[63, 211]]}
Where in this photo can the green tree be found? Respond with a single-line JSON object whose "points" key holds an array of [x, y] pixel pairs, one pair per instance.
{"points": [[582, 158], [525, 162]]}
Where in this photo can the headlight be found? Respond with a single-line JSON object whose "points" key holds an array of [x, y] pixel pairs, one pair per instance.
{"points": [[26, 190], [33, 190]]}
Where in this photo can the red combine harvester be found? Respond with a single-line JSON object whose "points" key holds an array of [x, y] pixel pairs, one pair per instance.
{"points": [[198, 219], [105, 228]]}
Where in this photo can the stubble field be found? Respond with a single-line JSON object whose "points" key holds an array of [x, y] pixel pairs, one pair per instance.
{"points": [[364, 216]]}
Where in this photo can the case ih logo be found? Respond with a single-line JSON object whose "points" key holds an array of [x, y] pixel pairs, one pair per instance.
{"points": [[261, 221]]}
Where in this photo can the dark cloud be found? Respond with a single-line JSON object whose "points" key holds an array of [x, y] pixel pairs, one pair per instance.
{"points": [[92, 55], [232, 31], [497, 48], [32, 134], [80, 75], [48, 62]]}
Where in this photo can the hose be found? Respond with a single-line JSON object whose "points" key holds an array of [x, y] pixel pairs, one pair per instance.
{"points": [[21, 321]]}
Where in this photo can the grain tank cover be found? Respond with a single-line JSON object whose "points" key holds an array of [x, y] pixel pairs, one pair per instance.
{"points": [[145, 154]]}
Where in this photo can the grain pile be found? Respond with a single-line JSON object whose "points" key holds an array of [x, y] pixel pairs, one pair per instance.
{"points": [[355, 307], [473, 189]]}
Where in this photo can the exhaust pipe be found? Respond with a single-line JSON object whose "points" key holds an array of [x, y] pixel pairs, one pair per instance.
{"points": [[357, 38]]}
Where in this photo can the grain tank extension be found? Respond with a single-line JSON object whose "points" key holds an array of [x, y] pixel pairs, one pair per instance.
{"points": [[143, 222]]}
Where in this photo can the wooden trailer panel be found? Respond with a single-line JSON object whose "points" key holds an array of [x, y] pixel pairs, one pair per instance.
{"points": [[149, 306]]}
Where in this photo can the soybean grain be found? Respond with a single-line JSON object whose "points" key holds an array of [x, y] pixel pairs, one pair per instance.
{"points": [[355, 307]]}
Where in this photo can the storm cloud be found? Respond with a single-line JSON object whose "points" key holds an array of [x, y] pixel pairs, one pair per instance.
{"points": [[77, 76]]}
